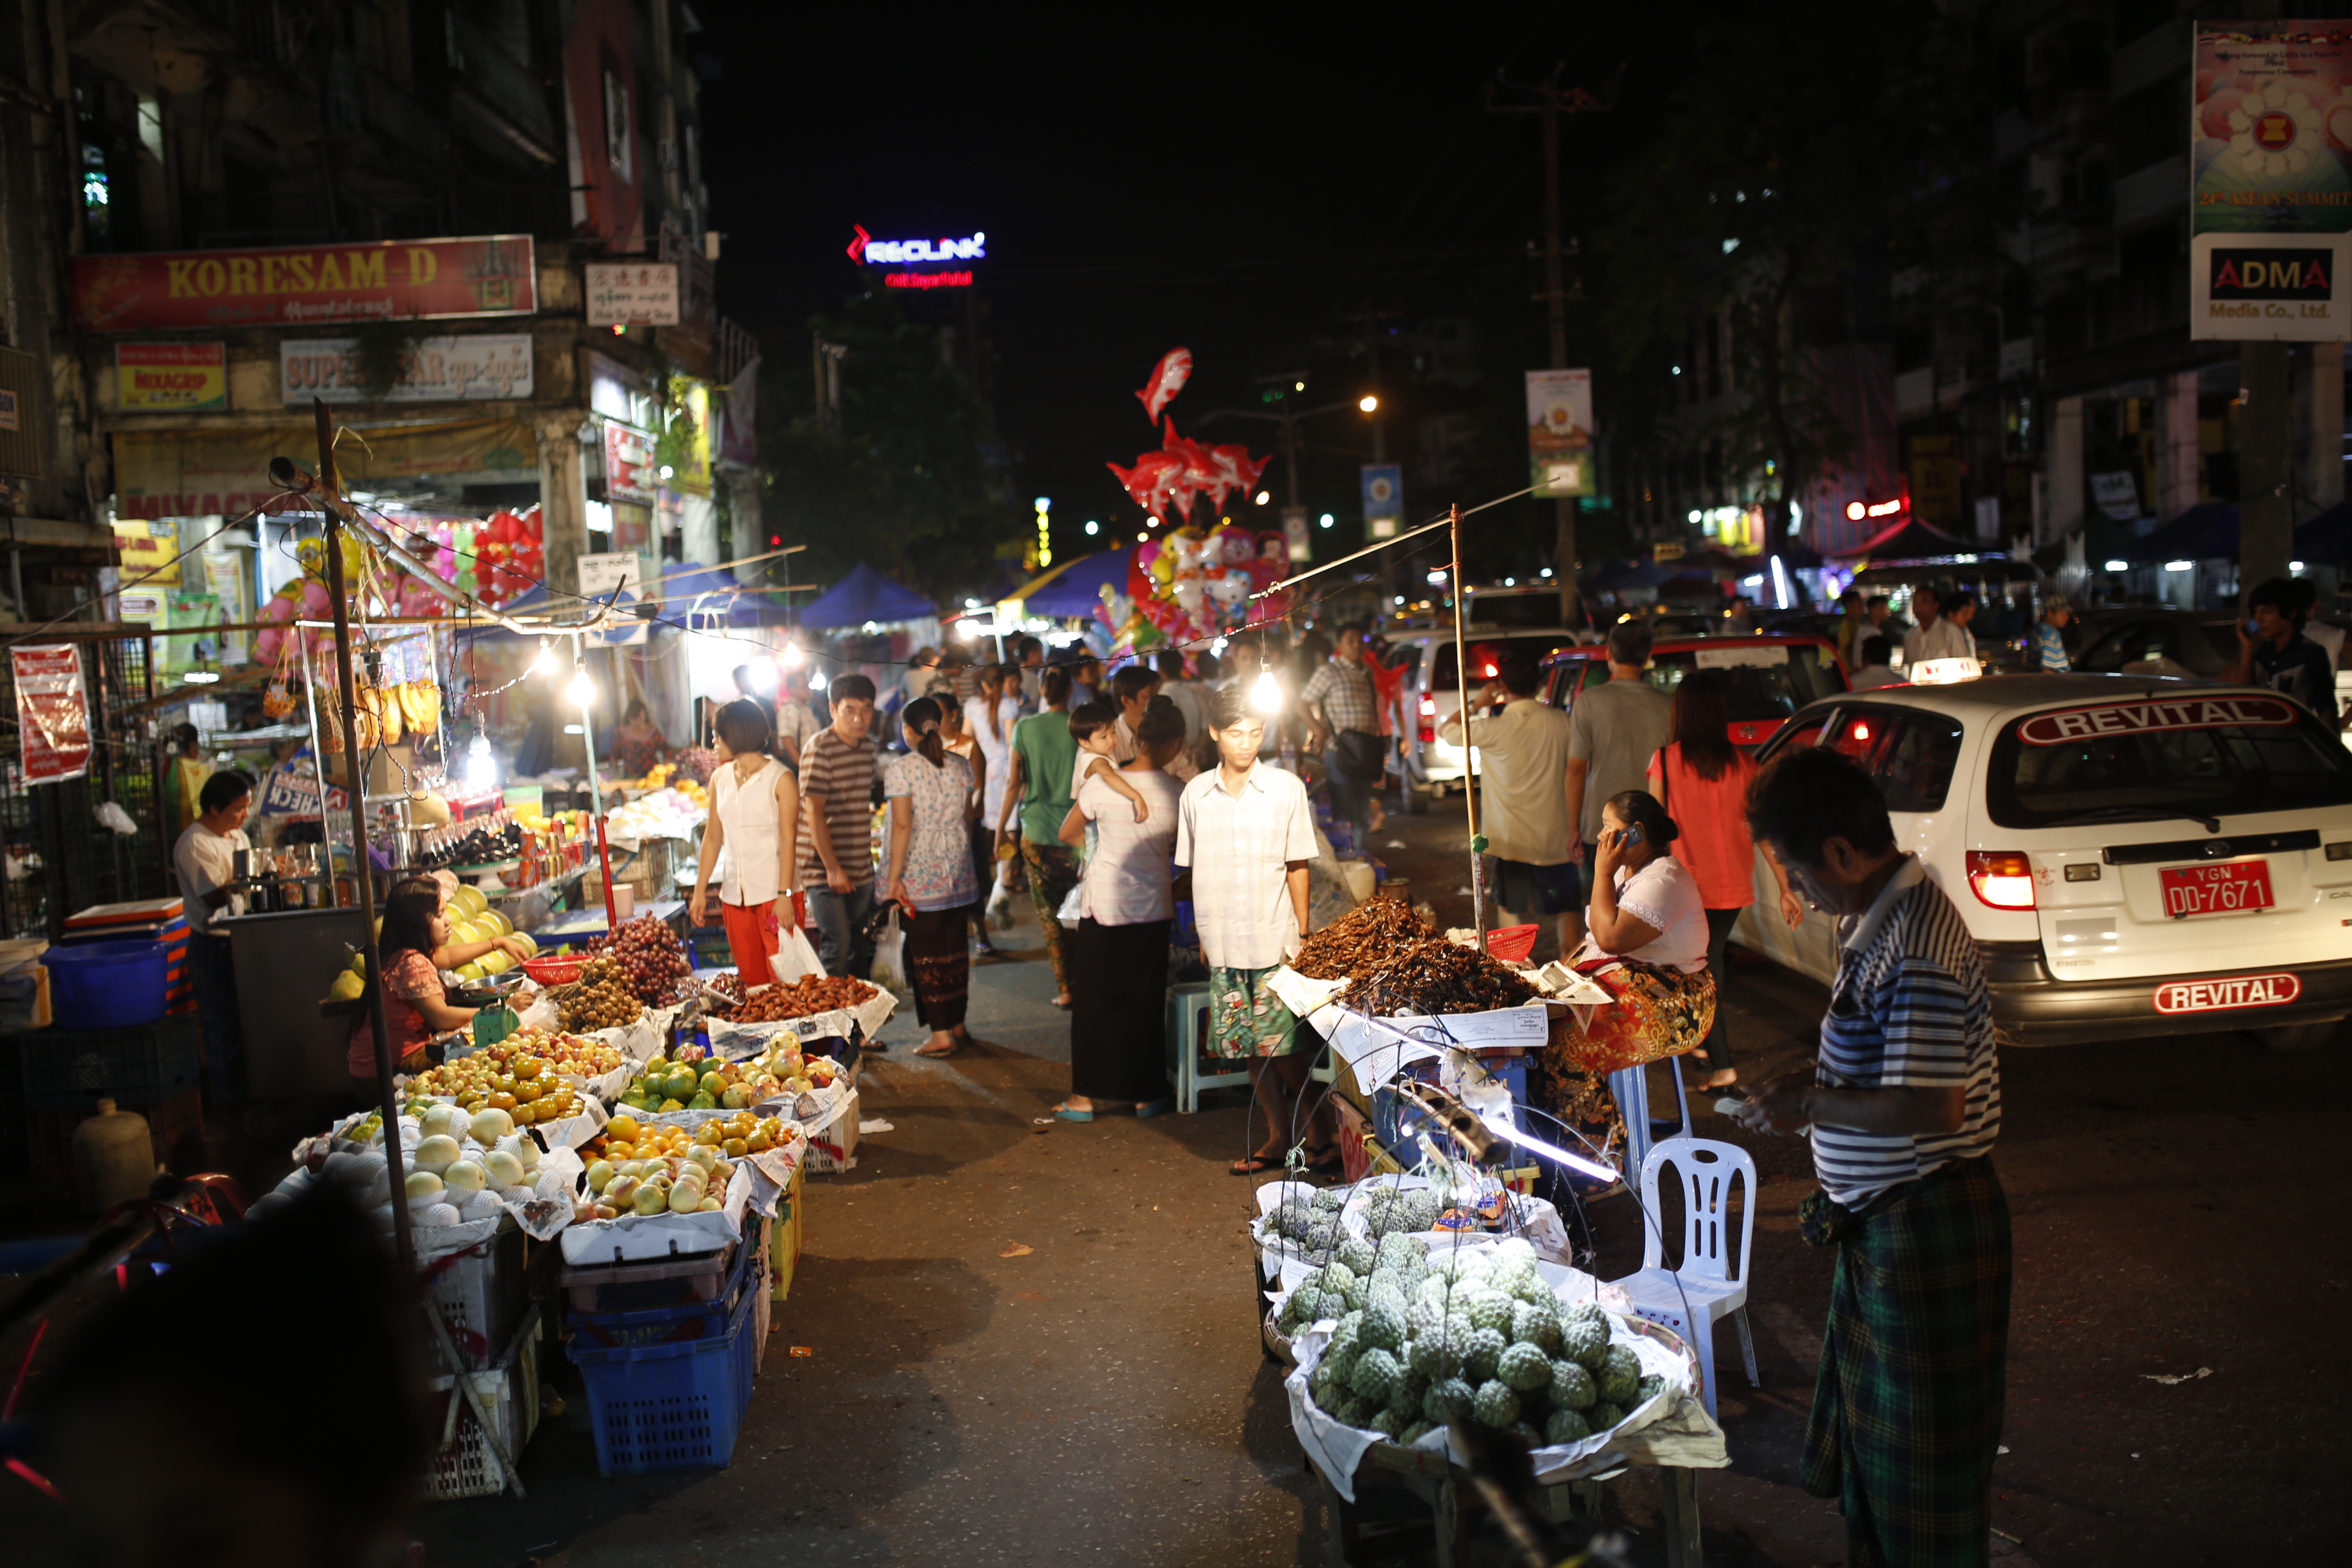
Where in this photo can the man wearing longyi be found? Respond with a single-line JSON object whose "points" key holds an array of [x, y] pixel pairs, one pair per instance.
{"points": [[1904, 1106]]}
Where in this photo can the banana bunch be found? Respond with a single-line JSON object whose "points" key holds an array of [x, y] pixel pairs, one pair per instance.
{"points": [[387, 712]]}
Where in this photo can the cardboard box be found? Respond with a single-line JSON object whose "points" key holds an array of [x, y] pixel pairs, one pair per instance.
{"points": [[785, 1235], [836, 1147]]}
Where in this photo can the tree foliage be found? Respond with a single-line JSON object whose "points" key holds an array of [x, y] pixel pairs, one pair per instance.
{"points": [[1833, 145], [907, 485]]}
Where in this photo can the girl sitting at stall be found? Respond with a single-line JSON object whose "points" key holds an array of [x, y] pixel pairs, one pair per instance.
{"points": [[451, 954], [1646, 944], [416, 1006]]}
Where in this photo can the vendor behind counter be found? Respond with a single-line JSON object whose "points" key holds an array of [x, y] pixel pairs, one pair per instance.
{"points": [[206, 859]]}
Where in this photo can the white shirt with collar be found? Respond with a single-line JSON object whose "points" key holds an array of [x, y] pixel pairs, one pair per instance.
{"points": [[1239, 848], [206, 861], [1942, 638]]}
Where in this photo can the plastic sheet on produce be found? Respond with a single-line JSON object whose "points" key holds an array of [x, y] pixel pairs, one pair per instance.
{"points": [[1671, 1427], [637, 1238], [1533, 1219], [737, 1041]]}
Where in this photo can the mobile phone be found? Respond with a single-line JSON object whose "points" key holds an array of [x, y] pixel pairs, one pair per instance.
{"points": [[1633, 835]]}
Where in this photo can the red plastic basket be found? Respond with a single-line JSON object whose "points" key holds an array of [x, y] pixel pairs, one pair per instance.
{"points": [[1512, 943], [564, 971]]}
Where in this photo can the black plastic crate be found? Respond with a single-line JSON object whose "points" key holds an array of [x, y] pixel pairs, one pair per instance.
{"points": [[73, 1069]]}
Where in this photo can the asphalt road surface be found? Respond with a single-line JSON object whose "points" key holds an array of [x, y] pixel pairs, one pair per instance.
{"points": [[1101, 1398]]}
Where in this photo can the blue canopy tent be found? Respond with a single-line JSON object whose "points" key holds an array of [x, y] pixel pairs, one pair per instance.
{"points": [[864, 595], [2327, 538], [1075, 589], [707, 592], [2206, 532]]}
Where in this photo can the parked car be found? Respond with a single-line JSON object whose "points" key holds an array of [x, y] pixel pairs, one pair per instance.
{"points": [[1771, 676], [2134, 855], [1433, 691], [2152, 640]]}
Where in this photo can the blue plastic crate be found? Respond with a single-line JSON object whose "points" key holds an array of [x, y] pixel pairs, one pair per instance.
{"points": [[669, 1407], [668, 1325], [143, 1065]]}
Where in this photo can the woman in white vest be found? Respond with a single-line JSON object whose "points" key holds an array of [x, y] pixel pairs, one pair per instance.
{"points": [[755, 803]]}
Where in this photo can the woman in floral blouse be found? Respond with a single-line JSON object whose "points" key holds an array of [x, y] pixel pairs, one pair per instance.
{"points": [[932, 797], [416, 1006]]}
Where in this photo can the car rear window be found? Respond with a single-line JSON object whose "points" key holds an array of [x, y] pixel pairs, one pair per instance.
{"points": [[2165, 757], [1771, 690], [1485, 656], [2167, 646], [1909, 753]]}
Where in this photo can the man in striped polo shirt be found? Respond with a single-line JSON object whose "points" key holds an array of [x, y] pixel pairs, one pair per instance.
{"points": [[1905, 1105]]}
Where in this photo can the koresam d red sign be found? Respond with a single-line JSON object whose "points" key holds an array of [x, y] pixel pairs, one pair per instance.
{"points": [[2144, 718], [394, 281]]}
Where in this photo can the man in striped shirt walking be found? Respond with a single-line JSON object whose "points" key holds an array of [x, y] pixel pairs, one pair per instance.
{"points": [[1904, 1106]]}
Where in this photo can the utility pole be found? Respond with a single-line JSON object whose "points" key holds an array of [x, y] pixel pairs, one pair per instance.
{"points": [[1553, 101], [2266, 439]]}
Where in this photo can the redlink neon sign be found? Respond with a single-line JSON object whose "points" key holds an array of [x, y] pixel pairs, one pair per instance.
{"points": [[927, 280], [1856, 510], [874, 252]]}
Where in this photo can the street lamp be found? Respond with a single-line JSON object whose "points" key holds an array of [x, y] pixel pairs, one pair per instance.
{"points": [[1368, 402]]}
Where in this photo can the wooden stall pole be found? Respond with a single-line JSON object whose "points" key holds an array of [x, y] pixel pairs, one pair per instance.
{"points": [[1461, 711], [362, 871]]}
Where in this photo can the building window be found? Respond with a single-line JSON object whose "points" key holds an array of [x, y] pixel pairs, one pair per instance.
{"points": [[97, 196], [618, 139]]}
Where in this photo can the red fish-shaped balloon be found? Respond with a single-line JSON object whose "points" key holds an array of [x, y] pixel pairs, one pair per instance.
{"points": [[1168, 378]]}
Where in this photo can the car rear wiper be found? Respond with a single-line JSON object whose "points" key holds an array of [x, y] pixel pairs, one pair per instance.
{"points": [[2111, 812]]}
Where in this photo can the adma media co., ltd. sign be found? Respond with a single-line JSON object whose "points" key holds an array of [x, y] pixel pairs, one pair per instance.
{"points": [[868, 251]]}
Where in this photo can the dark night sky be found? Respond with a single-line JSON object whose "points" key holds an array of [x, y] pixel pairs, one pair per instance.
{"points": [[1240, 182]]}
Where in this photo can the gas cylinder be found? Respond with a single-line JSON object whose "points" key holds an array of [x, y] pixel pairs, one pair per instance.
{"points": [[113, 1158]]}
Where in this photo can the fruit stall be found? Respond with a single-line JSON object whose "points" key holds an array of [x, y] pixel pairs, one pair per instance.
{"points": [[609, 1166]]}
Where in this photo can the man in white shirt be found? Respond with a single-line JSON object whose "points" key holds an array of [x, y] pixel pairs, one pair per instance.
{"points": [[1938, 634], [1246, 832], [1522, 758], [206, 859]]}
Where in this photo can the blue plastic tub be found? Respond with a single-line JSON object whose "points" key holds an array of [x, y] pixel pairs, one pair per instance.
{"points": [[109, 984], [669, 1407]]}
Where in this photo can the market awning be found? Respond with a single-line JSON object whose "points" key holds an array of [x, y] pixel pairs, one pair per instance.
{"points": [[1906, 539], [864, 595], [2206, 532], [1074, 587], [225, 470], [2326, 538]]}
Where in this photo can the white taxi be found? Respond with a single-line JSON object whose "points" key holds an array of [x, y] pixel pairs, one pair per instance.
{"points": [[2134, 855]]}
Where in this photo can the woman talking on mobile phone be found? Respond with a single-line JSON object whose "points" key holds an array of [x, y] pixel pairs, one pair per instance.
{"points": [[1646, 944]]}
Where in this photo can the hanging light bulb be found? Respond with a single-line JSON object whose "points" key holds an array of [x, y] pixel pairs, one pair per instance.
{"points": [[481, 767], [583, 689], [816, 680], [1265, 694], [545, 662], [790, 655]]}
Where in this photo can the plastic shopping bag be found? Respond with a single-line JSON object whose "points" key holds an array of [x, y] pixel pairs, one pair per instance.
{"points": [[890, 956], [793, 957]]}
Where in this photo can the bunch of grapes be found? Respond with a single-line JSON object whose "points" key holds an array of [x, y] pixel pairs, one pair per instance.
{"points": [[651, 958]]}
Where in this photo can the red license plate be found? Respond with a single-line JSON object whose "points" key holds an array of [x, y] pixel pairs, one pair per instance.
{"points": [[2226, 890]]}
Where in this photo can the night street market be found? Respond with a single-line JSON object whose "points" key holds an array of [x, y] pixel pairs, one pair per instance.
{"points": [[1685, 734]]}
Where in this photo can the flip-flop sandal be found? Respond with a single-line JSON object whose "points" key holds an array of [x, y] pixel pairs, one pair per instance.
{"points": [[1255, 1165], [1152, 1108], [1067, 1114], [1328, 1160], [941, 1055]]}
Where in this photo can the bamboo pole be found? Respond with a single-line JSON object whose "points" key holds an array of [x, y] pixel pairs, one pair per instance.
{"points": [[1461, 712]]}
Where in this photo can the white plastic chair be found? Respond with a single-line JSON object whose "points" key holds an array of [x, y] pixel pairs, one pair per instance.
{"points": [[1631, 1087], [1706, 1170]]}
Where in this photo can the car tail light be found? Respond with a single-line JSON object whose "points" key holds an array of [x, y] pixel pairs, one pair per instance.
{"points": [[2002, 878], [1428, 718]]}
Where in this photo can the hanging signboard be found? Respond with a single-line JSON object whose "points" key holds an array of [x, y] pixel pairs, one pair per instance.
{"points": [[633, 293], [180, 377], [432, 370], [617, 570], [1560, 432], [304, 285], [2270, 207], [1383, 499], [628, 463], [52, 712]]}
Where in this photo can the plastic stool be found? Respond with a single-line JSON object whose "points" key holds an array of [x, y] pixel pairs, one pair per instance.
{"points": [[1188, 1004], [1630, 1088]]}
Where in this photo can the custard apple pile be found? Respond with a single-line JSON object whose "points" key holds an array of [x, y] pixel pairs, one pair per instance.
{"points": [[1420, 1341], [1390, 1209]]}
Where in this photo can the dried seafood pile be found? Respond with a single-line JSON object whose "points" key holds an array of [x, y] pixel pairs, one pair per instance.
{"points": [[1360, 941], [1435, 976]]}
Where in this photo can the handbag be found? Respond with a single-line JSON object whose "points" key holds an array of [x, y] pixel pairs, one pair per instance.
{"points": [[1360, 753], [889, 970]]}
